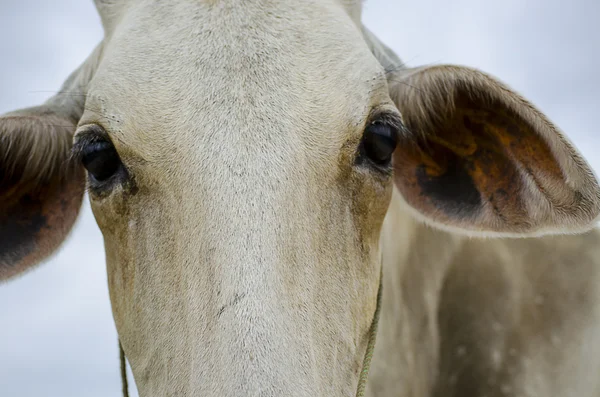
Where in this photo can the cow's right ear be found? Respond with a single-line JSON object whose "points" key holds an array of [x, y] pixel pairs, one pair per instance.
{"points": [[41, 188]]}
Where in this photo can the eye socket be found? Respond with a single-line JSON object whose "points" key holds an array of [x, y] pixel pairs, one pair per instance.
{"points": [[101, 160], [379, 142]]}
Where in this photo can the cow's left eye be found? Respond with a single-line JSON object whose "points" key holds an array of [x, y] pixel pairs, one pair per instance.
{"points": [[379, 142]]}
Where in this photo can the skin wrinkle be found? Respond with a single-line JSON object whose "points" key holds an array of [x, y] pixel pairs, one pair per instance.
{"points": [[245, 241]]}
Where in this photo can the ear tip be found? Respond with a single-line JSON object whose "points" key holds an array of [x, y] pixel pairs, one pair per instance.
{"points": [[10, 271], [586, 200], [593, 209], [35, 225], [580, 217]]}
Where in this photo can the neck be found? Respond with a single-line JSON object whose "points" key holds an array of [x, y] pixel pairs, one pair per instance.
{"points": [[415, 260]]}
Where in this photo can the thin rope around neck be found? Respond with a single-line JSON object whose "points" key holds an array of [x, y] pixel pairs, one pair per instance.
{"points": [[364, 374], [123, 371]]}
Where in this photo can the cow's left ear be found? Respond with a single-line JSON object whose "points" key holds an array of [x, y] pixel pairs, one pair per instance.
{"points": [[480, 158]]}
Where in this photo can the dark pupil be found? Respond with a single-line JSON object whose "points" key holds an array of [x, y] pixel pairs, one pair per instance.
{"points": [[101, 160], [379, 143]]}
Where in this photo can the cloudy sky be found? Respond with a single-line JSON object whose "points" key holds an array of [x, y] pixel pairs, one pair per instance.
{"points": [[57, 338]]}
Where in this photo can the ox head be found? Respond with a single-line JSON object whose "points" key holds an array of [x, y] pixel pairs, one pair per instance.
{"points": [[240, 161]]}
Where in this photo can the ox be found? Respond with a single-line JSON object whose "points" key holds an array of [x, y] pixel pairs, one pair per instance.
{"points": [[259, 169]]}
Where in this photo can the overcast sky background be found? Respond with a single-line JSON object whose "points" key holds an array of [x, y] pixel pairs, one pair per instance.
{"points": [[57, 337]]}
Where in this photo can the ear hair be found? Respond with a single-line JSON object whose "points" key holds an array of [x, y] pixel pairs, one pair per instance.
{"points": [[36, 142], [484, 159], [40, 189], [34, 147], [425, 98]]}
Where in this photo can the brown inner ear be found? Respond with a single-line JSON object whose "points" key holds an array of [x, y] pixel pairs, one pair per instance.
{"points": [[468, 169], [35, 219]]}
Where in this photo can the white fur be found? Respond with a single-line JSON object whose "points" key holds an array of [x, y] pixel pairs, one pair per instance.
{"points": [[246, 260]]}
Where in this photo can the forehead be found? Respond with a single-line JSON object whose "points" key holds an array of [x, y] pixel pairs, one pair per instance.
{"points": [[290, 66]]}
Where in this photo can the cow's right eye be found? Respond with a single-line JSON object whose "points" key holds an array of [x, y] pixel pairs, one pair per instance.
{"points": [[95, 151], [101, 160]]}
